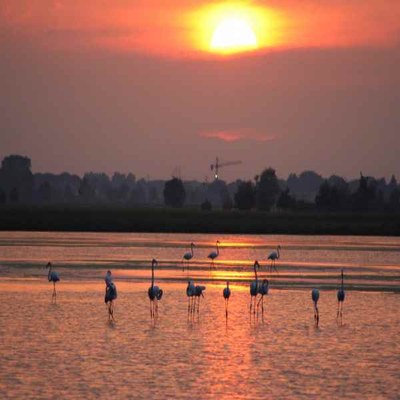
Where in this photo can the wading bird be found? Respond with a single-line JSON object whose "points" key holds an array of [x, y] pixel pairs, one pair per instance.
{"points": [[154, 292], [263, 291], [188, 256], [111, 295], [254, 288], [226, 293], [190, 291], [214, 254], [340, 298], [273, 257], [52, 276], [197, 293], [315, 297]]}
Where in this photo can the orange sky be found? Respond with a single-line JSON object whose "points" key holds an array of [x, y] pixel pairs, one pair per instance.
{"points": [[175, 27], [130, 85]]}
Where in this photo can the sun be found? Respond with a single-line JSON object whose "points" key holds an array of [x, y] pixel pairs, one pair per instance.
{"points": [[232, 35], [234, 27]]}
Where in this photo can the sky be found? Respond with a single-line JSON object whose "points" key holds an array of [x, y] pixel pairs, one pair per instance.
{"points": [[134, 86]]}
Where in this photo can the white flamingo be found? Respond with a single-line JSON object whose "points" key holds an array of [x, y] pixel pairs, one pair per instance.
{"points": [[254, 288], [340, 297], [52, 276], [154, 292], [315, 298], [188, 256], [227, 294], [275, 255], [214, 254]]}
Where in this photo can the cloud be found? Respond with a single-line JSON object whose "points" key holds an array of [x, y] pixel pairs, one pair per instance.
{"points": [[235, 135]]}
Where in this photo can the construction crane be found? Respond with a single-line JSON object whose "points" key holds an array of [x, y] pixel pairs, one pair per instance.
{"points": [[215, 167]]}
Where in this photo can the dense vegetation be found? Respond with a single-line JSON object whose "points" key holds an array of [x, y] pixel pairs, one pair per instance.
{"points": [[103, 219], [301, 204]]}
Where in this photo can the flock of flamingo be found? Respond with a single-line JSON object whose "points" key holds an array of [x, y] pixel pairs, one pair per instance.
{"points": [[258, 289]]}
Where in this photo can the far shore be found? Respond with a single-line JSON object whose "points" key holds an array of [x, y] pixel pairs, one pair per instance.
{"points": [[82, 218]]}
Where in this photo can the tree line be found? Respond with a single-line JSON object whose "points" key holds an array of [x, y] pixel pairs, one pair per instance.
{"points": [[307, 191]]}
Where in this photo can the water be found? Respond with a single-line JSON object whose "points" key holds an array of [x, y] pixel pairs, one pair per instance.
{"points": [[69, 350]]}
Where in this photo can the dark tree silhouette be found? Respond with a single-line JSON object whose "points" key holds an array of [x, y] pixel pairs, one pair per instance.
{"points": [[364, 197], [174, 193], [394, 199], [16, 178], [245, 197], [86, 191], [14, 195], [206, 205], [3, 196], [267, 190], [286, 201], [45, 192]]}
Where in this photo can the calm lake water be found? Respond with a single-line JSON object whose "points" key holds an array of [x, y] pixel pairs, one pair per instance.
{"points": [[70, 350]]}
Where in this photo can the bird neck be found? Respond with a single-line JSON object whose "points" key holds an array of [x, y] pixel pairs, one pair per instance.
{"points": [[255, 272], [277, 249], [152, 274], [191, 249], [48, 275], [342, 281], [217, 249]]}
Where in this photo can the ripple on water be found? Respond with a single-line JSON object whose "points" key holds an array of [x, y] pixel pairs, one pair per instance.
{"points": [[69, 349]]}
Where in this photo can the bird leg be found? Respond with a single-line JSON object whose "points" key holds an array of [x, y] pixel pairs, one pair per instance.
{"points": [[275, 267], [110, 311]]}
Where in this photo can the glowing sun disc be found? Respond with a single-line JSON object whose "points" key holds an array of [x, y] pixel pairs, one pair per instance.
{"points": [[233, 34]]}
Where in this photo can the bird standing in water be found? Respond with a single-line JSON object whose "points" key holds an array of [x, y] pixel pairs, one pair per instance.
{"points": [[275, 255], [197, 293], [190, 292], [52, 276], [155, 293], [263, 291], [340, 297], [254, 288], [227, 294], [188, 256], [214, 254], [111, 295], [315, 297]]}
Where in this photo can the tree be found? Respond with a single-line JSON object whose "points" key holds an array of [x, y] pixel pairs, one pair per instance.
{"points": [[206, 205], [45, 192], [14, 195], [394, 199], [267, 190], [3, 196], [174, 193], [16, 178], [285, 200], [86, 191], [245, 197], [365, 195]]}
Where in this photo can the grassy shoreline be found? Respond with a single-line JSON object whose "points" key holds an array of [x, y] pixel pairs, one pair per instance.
{"points": [[114, 219]]}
